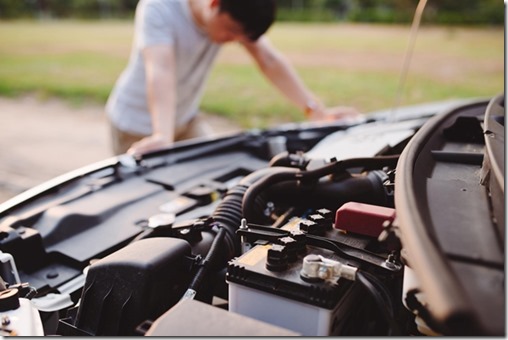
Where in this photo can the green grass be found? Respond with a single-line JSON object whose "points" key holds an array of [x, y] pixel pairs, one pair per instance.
{"points": [[344, 64]]}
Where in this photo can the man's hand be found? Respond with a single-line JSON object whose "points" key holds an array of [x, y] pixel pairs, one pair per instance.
{"points": [[335, 113], [341, 112], [147, 144]]}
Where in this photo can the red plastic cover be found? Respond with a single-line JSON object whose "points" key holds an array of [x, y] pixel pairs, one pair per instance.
{"points": [[361, 218]]}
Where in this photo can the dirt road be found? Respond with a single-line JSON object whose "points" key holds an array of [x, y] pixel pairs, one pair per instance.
{"points": [[40, 140]]}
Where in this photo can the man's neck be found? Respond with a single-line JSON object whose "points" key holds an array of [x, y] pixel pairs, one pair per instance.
{"points": [[198, 11]]}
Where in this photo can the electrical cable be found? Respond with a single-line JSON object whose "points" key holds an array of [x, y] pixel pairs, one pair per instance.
{"points": [[376, 288], [209, 260], [380, 286], [383, 302], [323, 242]]}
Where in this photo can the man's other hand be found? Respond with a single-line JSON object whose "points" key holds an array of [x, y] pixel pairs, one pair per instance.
{"points": [[147, 144]]}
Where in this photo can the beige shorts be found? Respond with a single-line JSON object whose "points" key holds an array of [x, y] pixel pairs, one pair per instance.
{"points": [[121, 141]]}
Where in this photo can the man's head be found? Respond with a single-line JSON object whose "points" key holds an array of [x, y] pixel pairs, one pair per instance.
{"points": [[237, 19], [256, 16]]}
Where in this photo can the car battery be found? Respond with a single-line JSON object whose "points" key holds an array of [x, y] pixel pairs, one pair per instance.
{"points": [[269, 286]]}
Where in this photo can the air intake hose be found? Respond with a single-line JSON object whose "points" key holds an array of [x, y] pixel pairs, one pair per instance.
{"points": [[308, 180]]}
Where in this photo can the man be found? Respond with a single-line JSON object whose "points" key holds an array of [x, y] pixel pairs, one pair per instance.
{"points": [[156, 99]]}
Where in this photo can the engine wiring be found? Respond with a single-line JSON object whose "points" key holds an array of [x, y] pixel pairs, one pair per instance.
{"points": [[382, 298]]}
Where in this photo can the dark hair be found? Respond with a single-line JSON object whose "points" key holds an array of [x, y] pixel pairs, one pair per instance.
{"points": [[256, 16]]}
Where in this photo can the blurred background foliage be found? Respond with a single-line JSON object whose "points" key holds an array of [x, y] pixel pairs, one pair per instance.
{"points": [[349, 52], [452, 12]]}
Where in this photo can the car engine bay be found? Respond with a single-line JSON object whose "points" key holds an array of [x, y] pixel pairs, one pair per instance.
{"points": [[389, 226]]}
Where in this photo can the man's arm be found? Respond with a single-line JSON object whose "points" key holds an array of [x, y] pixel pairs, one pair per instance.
{"points": [[159, 63], [283, 76]]}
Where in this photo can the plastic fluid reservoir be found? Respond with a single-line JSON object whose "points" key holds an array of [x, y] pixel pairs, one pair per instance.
{"points": [[18, 317]]}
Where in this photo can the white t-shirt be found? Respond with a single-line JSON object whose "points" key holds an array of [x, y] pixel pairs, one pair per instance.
{"points": [[161, 22]]}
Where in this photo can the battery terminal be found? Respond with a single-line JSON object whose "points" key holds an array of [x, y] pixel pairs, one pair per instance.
{"points": [[317, 267]]}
